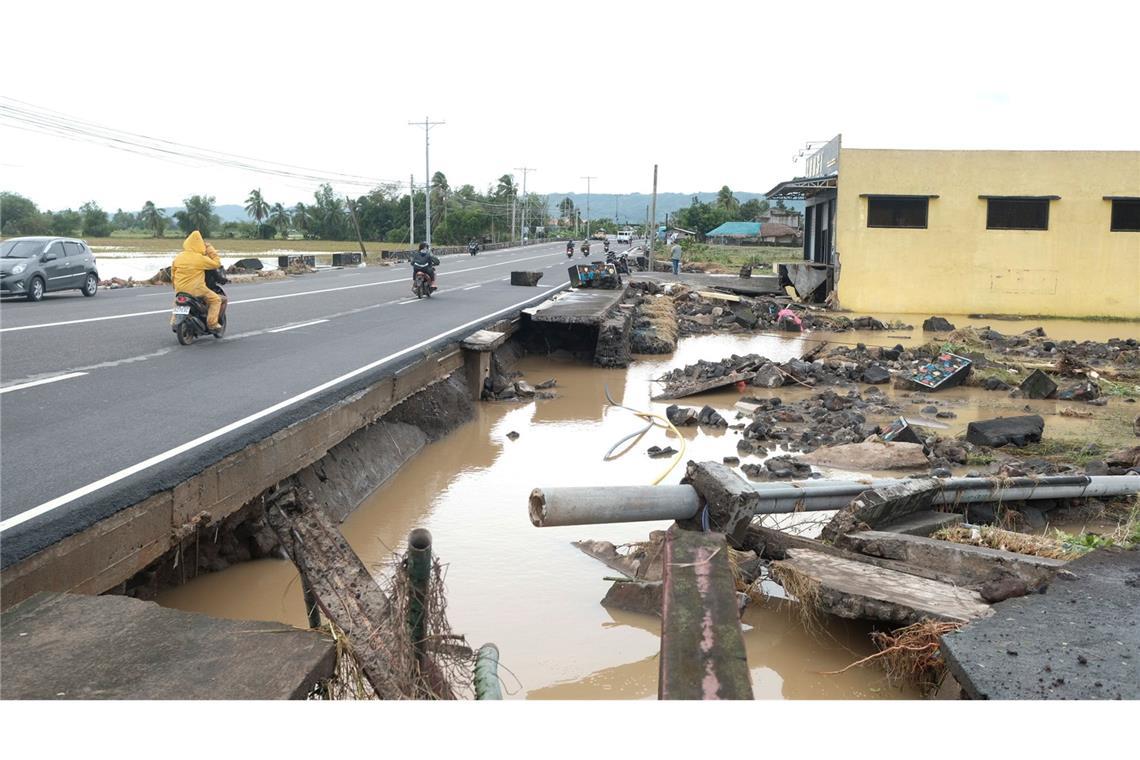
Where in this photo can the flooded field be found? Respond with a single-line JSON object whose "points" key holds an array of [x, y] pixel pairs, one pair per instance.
{"points": [[142, 267], [536, 596]]}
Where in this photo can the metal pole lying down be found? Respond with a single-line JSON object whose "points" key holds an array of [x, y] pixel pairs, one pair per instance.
{"points": [[589, 505]]}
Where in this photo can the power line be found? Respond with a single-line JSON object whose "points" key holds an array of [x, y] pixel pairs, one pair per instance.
{"points": [[27, 117]]}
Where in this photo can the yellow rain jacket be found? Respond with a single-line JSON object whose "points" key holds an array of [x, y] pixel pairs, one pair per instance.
{"points": [[188, 272]]}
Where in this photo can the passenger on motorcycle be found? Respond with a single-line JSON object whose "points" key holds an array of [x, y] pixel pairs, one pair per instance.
{"points": [[188, 275], [424, 261], [569, 246]]}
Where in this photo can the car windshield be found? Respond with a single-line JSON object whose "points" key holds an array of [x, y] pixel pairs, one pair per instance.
{"points": [[21, 249]]}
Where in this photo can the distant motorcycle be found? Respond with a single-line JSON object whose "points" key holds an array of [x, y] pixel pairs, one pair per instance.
{"points": [[570, 250], [190, 312], [473, 248], [585, 248], [620, 261]]}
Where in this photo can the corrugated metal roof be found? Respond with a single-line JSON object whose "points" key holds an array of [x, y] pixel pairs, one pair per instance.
{"points": [[736, 229]]}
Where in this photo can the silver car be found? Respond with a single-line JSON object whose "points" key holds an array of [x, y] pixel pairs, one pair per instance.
{"points": [[32, 266]]}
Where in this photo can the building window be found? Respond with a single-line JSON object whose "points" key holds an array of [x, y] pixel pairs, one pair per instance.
{"points": [[1017, 214], [888, 211], [1125, 215]]}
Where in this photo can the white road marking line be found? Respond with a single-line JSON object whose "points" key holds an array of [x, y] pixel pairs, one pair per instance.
{"points": [[146, 464], [55, 379], [410, 300], [473, 287], [294, 327], [251, 300]]}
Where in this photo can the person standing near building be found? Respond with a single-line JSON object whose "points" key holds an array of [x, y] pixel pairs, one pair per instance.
{"points": [[676, 255]]}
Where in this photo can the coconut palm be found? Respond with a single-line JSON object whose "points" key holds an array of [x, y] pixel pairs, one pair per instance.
{"points": [[153, 218], [256, 206], [439, 195], [302, 219], [279, 218], [198, 215]]}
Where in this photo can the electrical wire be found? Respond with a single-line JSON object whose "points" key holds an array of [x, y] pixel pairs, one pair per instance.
{"points": [[653, 419]]}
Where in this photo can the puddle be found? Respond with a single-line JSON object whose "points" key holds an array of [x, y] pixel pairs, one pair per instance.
{"points": [[536, 596]]}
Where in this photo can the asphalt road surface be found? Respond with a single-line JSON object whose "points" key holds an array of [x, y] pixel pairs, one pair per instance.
{"points": [[100, 406]]}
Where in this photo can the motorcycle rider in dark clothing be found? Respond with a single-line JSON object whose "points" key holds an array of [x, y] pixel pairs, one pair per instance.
{"points": [[424, 261]]}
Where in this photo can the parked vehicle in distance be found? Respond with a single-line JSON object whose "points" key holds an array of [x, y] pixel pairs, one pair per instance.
{"points": [[32, 266], [625, 236]]}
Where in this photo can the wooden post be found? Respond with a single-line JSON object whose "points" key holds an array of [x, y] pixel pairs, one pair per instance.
{"points": [[356, 224], [702, 645]]}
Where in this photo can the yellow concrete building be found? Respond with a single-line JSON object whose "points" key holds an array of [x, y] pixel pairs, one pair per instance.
{"points": [[1052, 233]]}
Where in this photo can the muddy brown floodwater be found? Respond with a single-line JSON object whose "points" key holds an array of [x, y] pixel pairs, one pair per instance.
{"points": [[536, 596]]}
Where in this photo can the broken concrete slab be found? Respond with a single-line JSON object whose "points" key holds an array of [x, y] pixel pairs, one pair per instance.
{"points": [[971, 565], [729, 499], [869, 456], [642, 597], [922, 523], [937, 324], [71, 646], [642, 561], [1002, 431], [1038, 385], [527, 279], [859, 591], [876, 507], [1080, 640], [702, 644]]}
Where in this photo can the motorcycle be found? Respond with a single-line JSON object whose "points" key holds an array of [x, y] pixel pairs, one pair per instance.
{"points": [[189, 313], [421, 284], [570, 251], [473, 248], [585, 249], [620, 261]]}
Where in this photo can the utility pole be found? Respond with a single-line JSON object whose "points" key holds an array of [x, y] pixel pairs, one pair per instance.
{"points": [[514, 203], [653, 219], [412, 209], [427, 125], [587, 204], [526, 204]]}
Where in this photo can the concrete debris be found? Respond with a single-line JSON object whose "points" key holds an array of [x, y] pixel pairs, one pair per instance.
{"points": [[711, 417], [870, 456], [937, 324], [513, 435], [681, 415], [526, 279], [995, 433], [1038, 385]]}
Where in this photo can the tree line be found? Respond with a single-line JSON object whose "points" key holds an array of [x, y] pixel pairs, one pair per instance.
{"points": [[702, 217], [458, 215]]}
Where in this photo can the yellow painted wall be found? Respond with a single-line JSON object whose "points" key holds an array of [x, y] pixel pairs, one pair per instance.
{"points": [[956, 266]]}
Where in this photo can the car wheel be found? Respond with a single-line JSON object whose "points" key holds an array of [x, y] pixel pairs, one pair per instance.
{"points": [[90, 285], [36, 289], [185, 332]]}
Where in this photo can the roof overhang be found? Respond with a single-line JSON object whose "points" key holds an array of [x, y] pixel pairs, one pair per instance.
{"points": [[1020, 197], [1122, 197], [803, 187], [904, 196]]}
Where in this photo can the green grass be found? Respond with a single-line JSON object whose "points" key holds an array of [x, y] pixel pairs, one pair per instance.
{"points": [[732, 257], [1067, 450], [1119, 390], [228, 246]]}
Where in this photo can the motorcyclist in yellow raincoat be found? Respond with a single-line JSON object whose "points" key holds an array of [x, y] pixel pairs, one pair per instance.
{"points": [[188, 274]]}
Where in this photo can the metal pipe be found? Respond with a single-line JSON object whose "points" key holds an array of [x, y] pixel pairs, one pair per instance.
{"points": [[487, 673], [550, 507], [419, 576]]}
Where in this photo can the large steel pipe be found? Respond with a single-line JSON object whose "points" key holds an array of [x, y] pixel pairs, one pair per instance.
{"points": [[552, 507], [612, 504]]}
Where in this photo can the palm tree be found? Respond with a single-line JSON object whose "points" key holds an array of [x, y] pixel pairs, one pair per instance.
{"points": [[439, 195], [301, 217], [279, 218], [256, 206], [506, 187], [152, 218], [726, 200], [198, 215]]}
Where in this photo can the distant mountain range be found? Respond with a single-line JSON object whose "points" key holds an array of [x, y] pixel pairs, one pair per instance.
{"points": [[629, 207]]}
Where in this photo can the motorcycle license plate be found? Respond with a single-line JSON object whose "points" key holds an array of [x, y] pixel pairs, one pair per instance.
{"points": [[181, 309]]}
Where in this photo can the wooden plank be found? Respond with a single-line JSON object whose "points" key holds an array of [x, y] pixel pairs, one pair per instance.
{"points": [[705, 385], [702, 646], [860, 591], [718, 296], [345, 590]]}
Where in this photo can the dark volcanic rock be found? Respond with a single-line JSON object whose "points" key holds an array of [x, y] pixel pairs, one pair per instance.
{"points": [[711, 417], [876, 374], [1006, 430], [681, 415], [937, 324], [656, 452]]}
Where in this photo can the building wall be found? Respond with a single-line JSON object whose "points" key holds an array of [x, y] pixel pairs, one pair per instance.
{"points": [[1075, 268]]}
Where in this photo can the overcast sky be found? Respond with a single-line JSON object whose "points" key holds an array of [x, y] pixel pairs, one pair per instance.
{"points": [[715, 93]]}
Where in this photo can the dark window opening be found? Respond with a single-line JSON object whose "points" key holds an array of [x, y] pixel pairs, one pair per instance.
{"points": [[1017, 214], [897, 212], [1125, 216]]}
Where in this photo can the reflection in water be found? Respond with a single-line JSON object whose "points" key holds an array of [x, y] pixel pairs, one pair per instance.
{"points": [[529, 590]]}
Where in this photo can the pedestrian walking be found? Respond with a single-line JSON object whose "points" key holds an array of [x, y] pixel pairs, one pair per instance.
{"points": [[676, 251]]}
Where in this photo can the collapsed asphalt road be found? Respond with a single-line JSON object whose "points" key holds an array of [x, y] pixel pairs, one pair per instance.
{"points": [[100, 406]]}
